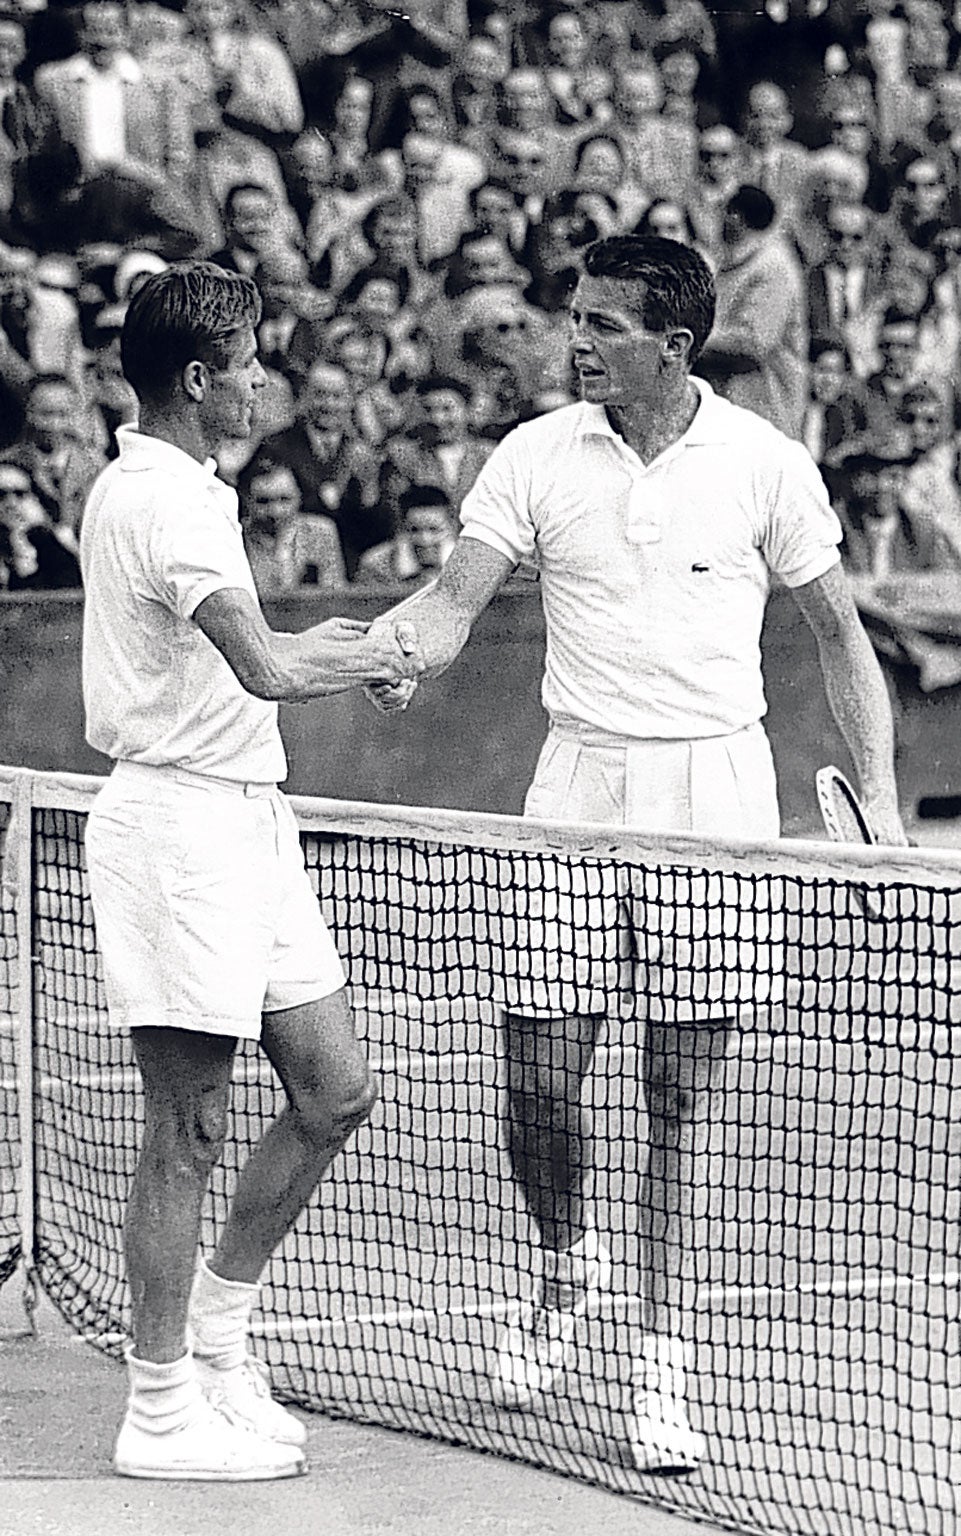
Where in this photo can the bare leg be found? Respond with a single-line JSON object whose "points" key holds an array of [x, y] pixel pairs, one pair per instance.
{"points": [[186, 1079], [330, 1092], [549, 1133], [683, 1065]]}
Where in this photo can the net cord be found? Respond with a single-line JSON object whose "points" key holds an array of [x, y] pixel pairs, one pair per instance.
{"points": [[932, 867]]}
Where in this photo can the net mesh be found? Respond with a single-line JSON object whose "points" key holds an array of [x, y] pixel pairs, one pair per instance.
{"points": [[824, 1217]]}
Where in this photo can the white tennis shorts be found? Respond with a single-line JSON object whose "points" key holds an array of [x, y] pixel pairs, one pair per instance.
{"points": [[204, 912], [669, 945]]}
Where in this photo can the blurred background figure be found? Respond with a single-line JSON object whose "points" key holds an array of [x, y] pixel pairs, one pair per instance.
{"points": [[426, 536], [33, 556], [757, 354], [287, 549]]}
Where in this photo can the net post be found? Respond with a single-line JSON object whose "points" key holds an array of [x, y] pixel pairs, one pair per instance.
{"points": [[23, 825]]}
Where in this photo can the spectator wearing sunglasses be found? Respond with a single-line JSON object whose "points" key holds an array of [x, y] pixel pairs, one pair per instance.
{"points": [[842, 288], [718, 178], [930, 481], [32, 556]]}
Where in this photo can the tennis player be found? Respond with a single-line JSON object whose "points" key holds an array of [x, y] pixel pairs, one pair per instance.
{"points": [[208, 927], [658, 516]]}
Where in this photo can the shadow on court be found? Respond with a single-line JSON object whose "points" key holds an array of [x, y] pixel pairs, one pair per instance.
{"points": [[60, 1401]]}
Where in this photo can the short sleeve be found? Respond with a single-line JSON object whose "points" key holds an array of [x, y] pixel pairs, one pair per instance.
{"points": [[497, 509], [803, 533], [198, 550]]}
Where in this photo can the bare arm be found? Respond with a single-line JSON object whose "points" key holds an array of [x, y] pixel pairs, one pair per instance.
{"points": [[328, 658], [443, 613], [857, 695]]}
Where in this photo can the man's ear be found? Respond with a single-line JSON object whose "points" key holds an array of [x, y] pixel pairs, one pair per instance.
{"points": [[195, 380], [677, 344]]}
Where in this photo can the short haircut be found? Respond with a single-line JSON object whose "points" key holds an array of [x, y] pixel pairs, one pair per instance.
{"points": [[678, 284], [243, 189], [425, 496], [754, 206], [194, 310], [436, 382]]}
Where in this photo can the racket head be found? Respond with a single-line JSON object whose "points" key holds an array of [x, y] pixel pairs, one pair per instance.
{"points": [[845, 822], [841, 810]]}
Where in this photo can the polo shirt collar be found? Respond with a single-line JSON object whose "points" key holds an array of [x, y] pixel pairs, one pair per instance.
{"points": [[139, 451], [709, 424]]}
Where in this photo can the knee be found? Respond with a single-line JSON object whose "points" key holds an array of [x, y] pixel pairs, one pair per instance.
{"points": [[327, 1121], [192, 1137]]}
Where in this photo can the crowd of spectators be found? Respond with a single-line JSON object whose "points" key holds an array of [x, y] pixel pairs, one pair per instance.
{"points": [[411, 189]]}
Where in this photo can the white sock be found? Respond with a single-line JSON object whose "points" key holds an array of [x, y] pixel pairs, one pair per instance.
{"points": [[219, 1317], [163, 1398]]}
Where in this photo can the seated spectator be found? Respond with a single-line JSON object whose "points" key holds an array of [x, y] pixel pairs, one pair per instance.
{"points": [[496, 209], [474, 91], [508, 351], [882, 538], [526, 107], [680, 71], [660, 152], [668, 219], [244, 70], [423, 543], [616, 202], [757, 353], [580, 86], [929, 487], [56, 453], [899, 367], [287, 549], [389, 239], [364, 350], [553, 254], [254, 223], [835, 415], [770, 158], [110, 111], [335, 470], [921, 208], [22, 121], [482, 258], [439, 449], [438, 178], [717, 180], [844, 288], [522, 162], [33, 556]]}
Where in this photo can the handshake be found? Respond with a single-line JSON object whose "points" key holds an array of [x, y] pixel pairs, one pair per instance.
{"points": [[404, 665]]}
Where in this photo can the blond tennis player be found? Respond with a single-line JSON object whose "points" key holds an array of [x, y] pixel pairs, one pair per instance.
{"points": [[657, 515], [205, 917]]}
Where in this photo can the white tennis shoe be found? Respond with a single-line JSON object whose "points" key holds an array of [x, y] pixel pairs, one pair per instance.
{"points": [[246, 1390], [661, 1437], [213, 1445], [537, 1345]]}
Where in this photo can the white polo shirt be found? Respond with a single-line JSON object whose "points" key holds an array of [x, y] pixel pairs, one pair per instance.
{"points": [[655, 578], [160, 533]]}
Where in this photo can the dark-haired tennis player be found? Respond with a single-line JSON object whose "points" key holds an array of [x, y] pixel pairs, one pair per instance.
{"points": [[208, 927], [657, 515]]}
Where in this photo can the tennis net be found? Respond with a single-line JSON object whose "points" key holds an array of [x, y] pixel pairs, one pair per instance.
{"points": [[827, 1372]]}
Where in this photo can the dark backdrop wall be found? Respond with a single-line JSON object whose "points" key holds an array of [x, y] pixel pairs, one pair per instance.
{"points": [[471, 737]]}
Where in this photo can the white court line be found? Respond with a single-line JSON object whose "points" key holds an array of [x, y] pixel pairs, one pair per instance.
{"points": [[616, 1305]]}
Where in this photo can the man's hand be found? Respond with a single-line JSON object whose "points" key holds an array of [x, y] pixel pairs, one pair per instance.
{"points": [[884, 819], [391, 697]]}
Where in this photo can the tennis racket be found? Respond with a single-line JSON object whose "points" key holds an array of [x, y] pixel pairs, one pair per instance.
{"points": [[845, 822]]}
